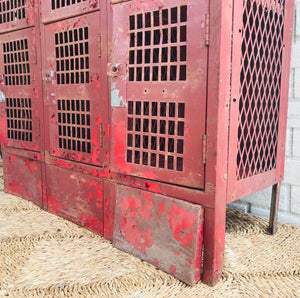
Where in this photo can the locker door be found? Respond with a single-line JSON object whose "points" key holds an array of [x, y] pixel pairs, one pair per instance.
{"points": [[74, 89], [21, 81], [158, 90]]}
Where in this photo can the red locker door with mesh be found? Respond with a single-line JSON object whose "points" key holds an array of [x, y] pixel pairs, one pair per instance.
{"points": [[72, 74], [23, 105], [17, 14], [54, 10], [261, 52], [158, 90]]}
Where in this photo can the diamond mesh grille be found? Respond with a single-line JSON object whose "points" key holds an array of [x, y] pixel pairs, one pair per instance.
{"points": [[155, 134], [74, 127], [158, 45], [12, 10], [260, 79], [19, 119]]}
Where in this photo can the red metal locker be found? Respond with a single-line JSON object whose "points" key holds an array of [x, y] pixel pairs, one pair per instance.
{"points": [[195, 118], [21, 105], [235, 96]]}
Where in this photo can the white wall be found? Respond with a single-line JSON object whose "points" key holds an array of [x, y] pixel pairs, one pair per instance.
{"points": [[289, 206]]}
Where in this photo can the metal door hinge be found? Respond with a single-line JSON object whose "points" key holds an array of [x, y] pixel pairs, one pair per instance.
{"points": [[204, 149], [99, 46], [101, 136], [207, 29]]}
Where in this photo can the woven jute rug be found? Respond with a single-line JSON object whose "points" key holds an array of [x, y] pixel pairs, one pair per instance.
{"points": [[42, 255]]}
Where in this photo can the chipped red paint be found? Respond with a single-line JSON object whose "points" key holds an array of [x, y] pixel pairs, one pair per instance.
{"points": [[64, 164], [31, 165], [120, 148], [99, 196], [162, 208], [12, 158], [34, 148], [131, 210], [190, 261], [156, 263], [55, 205], [151, 186], [181, 222], [173, 269], [90, 221], [3, 131], [176, 253], [14, 187], [56, 152], [108, 131], [36, 93]]}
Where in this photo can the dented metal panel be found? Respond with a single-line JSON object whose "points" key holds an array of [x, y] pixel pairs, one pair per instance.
{"points": [[160, 230]]}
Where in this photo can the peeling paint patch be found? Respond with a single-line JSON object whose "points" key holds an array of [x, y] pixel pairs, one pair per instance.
{"points": [[120, 149], [91, 221], [31, 165], [64, 164], [14, 187], [181, 222], [116, 98], [173, 269], [132, 210], [55, 205], [12, 158]]}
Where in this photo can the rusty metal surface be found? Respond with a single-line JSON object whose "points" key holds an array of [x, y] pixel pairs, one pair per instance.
{"points": [[160, 230], [76, 197], [23, 177]]}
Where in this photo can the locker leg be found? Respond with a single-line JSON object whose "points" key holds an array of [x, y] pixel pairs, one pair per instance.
{"points": [[274, 208], [214, 244]]}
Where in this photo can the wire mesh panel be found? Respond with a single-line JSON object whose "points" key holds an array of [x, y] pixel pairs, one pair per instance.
{"points": [[18, 53], [259, 92], [260, 79], [17, 14], [159, 91], [54, 10], [73, 74]]}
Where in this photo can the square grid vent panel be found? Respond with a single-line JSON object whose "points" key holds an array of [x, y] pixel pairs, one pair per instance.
{"points": [[155, 134], [260, 87], [12, 10], [158, 45], [56, 4], [19, 119], [16, 62], [74, 127], [72, 56]]}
